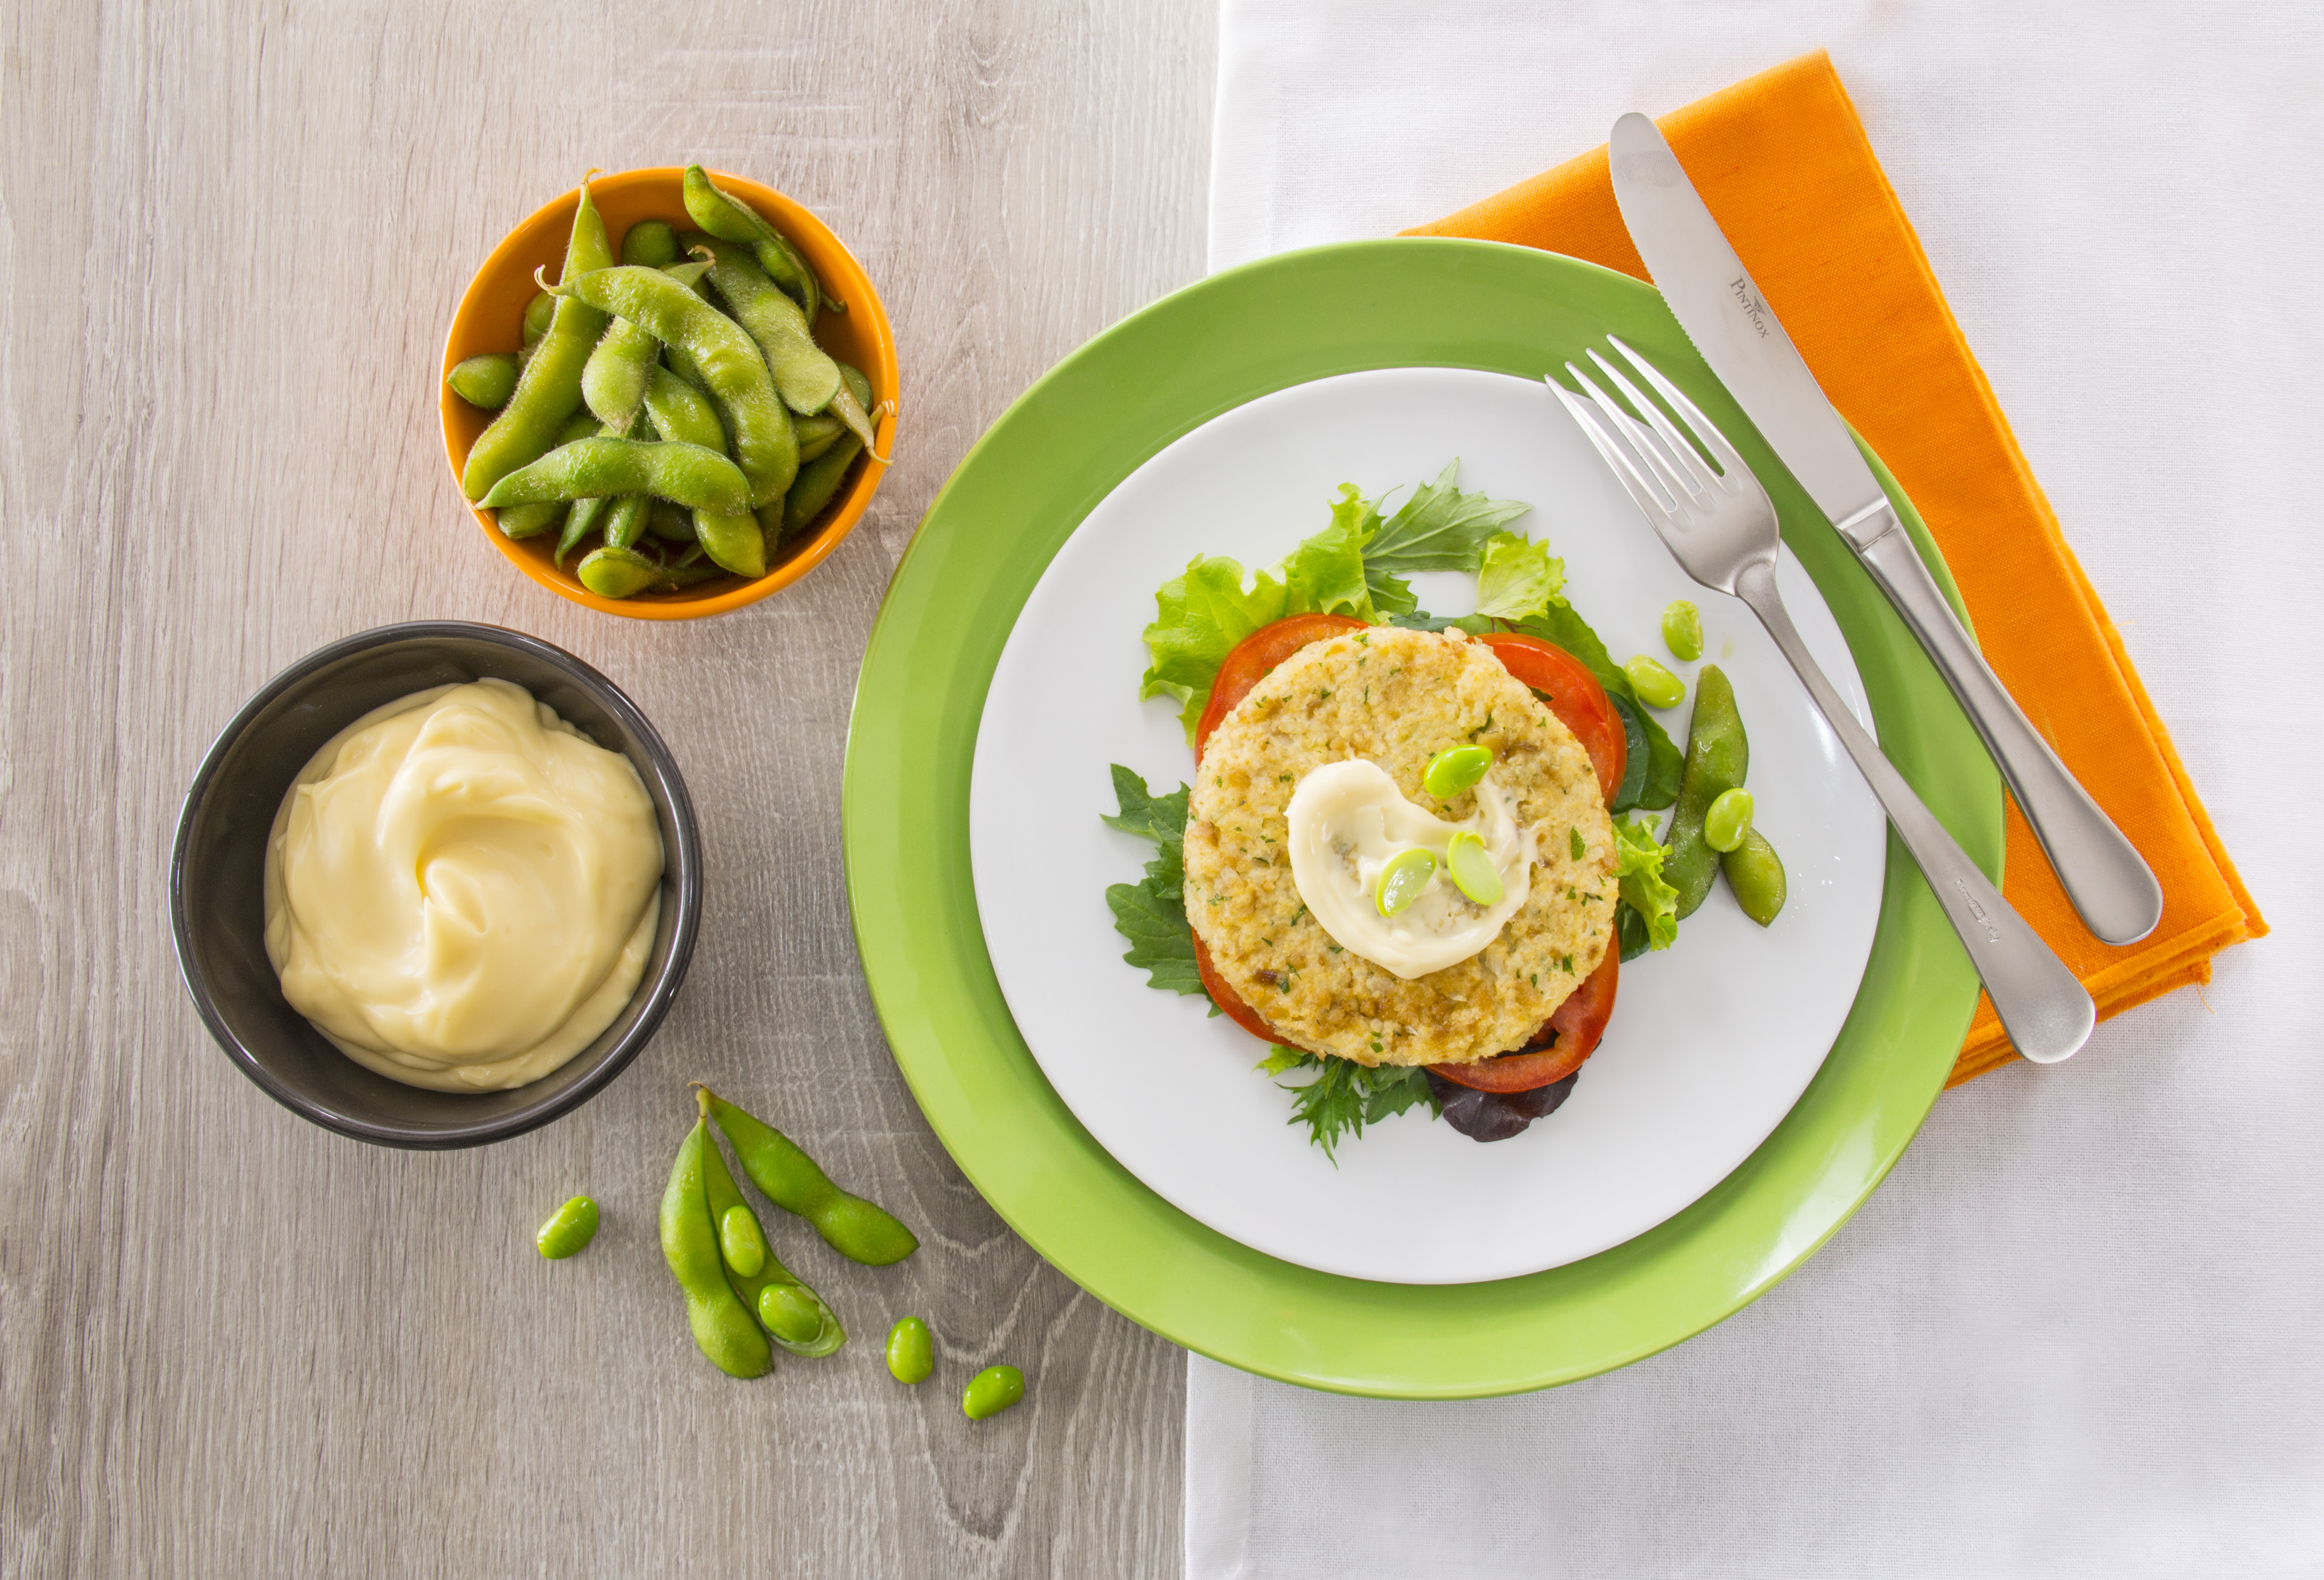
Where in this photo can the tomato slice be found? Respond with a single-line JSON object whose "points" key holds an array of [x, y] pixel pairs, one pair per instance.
{"points": [[1574, 696], [1254, 658], [1228, 999], [1573, 1032]]}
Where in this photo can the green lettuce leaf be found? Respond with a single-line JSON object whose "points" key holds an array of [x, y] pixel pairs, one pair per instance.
{"points": [[1518, 580], [1152, 913], [1439, 529], [1200, 614], [1325, 573], [1345, 1097], [1638, 865]]}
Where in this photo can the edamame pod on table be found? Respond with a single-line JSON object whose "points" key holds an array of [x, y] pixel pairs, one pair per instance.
{"points": [[734, 373], [1718, 755], [548, 390], [723, 1329], [788, 1177], [804, 372], [692, 475], [485, 381], [793, 1315], [730, 219]]}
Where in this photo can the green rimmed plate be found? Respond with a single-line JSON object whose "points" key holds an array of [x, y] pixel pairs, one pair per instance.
{"points": [[991, 533]]}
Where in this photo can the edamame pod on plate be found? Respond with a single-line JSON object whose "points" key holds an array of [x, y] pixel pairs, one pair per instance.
{"points": [[733, 370], [723, 1329], [548, 390], [855, 1228], [1718, 755], [692, 475]]}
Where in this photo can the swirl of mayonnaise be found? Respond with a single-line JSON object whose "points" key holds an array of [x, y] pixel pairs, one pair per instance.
{"points": [[1349, 820]]}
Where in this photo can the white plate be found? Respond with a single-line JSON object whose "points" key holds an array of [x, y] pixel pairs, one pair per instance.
{"points": [[1712, 1040]]}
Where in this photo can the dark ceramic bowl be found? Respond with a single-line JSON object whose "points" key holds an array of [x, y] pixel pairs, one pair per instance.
{"points": [[218, 873]]}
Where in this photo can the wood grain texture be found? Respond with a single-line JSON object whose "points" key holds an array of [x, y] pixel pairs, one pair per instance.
{"points": [[230, 1343]]}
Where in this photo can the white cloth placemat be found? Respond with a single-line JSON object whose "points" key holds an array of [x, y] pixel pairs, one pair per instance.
{"points": [[2077, 1330]]}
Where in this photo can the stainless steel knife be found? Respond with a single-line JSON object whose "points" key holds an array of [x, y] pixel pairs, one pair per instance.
{"points": [[1723, 313]]}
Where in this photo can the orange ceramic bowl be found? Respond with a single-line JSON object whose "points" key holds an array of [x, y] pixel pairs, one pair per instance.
{"points": [[491, 317]]}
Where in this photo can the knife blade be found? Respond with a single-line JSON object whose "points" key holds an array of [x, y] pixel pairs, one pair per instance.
{"points": [[1725, 314]]}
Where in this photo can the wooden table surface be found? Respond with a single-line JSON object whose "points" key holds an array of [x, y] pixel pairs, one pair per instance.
{"points": [[231, 1342]]}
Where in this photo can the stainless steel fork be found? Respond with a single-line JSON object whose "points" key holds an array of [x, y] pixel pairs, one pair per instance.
{"points": [[1720, 529]]}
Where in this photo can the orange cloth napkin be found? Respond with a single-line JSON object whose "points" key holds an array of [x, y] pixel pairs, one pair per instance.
{"points": [[1783, 163]]}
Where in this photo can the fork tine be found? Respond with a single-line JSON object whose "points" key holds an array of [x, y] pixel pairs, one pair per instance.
{"points": [[1702, 428], [1699, 473], [1616, 454], [1676, 482]]}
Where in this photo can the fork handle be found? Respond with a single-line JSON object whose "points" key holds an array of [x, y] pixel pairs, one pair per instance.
{"points": [[2100, 871], [2046, 1012]]}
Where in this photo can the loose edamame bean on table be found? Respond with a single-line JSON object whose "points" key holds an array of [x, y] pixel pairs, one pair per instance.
{"points": [[548, 390], [855, 1228], [486, 381], [1683, 629], [911, 1351], [1728, 820], [723, 1328], [1656, 686], [1718, 756], [1754, 873], [568, 1230], [991, 1391]]}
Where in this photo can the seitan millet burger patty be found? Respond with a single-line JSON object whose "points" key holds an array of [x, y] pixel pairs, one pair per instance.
{"points": [[1396, 698]]}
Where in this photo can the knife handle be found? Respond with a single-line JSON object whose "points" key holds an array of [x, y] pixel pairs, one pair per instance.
{"points": [[2100, 871], [2047, 1013]]}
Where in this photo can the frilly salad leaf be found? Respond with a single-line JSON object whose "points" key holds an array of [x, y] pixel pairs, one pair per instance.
{"points": [[1439, 529], [1152, 913], [1518, 580], [1639, 866], [1345, 1097]]}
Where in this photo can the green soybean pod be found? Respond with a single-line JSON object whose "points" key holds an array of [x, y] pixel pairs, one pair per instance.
{"points": [[859, 384], [733, 371], [1756, 875], [788, 1177], [1728, 820], [614, 380], [804, 374], [568, 1228], [817, 482], [692, 475], [734, 542], [991, 1391], [548, 390], [911, 1351], [673, 577], [816, 434], [797, 1302], [586, 514], [625, 521], [538, 315], [730, 219], [1683, 629], [485, 381], [680, 410], [1718, 756], [688, 274], [670, 523], [530, 520], [614, 572], [650, 243], [723, 1328]]}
